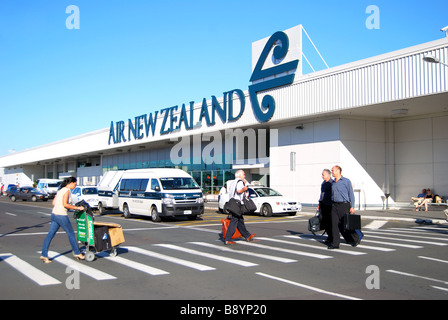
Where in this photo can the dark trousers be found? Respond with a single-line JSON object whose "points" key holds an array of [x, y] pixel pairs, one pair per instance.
{"points": [[338, 211], [236, 222], [325, 211]]}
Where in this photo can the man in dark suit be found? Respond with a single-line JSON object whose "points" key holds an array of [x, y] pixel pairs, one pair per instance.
{"points": [[325, 204]]}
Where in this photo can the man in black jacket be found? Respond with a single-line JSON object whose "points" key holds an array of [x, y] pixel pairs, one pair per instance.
{"points": [[325, 204]]}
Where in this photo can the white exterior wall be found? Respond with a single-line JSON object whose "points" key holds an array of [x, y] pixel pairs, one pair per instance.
{"points": [[421, 156], [355, 145], [378, 156]]}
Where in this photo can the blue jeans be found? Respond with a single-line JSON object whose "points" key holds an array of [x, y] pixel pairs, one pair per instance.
{"points": [[58, 221]]}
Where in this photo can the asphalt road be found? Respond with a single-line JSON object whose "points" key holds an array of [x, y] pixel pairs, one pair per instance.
{"points": [[186, 261]]}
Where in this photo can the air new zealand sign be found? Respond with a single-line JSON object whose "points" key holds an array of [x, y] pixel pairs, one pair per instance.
{"points": [[170, 120]]}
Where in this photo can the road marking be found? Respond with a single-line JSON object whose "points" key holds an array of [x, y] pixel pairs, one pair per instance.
{"points": [[433, 259], [134, 265], [389, 232], [410, 246], [11, 214], [307, 287], [253, 254], [376, 224], [38, 276], [160, 256], [440, 288], [296, 252], [311, 237], [407, 240], [354, 253], [88, 271], [416, 276], [208, 255]]}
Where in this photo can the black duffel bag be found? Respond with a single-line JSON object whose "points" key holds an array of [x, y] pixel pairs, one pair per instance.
{"points": [[233, 207]]}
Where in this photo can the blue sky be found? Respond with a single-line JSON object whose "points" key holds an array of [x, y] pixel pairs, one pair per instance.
{"points": [[133, 57]]}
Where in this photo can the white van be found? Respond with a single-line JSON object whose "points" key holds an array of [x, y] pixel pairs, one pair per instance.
{"points": [[108, 191], [160, 193], [49, 186]]}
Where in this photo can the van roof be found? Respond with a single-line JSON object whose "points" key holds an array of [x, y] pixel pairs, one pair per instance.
{"points": [[158, 172], [49, 180]]}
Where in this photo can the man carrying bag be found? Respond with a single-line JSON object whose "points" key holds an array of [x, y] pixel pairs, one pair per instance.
{"points": [[343, 205], [236, 207]]}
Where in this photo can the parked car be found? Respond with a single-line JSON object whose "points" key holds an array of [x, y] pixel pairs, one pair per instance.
{"points": [[267, 200], [27, 193], [88, 194]]}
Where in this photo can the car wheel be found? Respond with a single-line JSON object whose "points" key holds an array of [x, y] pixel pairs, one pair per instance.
{"points": [[155, 215], [126, 212], [33, 198], [13, 199], [266, 210], [101, 209]]}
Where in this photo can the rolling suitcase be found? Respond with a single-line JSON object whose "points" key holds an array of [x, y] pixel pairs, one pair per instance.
{"points": [[352, 222], [225, 226]]}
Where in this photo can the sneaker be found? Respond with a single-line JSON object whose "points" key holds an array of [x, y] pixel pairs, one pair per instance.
{"points": [[250, 237]]}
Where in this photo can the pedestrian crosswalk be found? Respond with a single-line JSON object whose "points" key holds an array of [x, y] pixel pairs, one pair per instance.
{"points": [[158, 259]]}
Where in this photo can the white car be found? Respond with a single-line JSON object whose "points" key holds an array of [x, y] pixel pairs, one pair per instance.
{"points": [[88, 194], [267, 200]]}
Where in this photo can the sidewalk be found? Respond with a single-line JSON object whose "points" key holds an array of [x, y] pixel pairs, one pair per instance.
{"points": [[434, 216]]}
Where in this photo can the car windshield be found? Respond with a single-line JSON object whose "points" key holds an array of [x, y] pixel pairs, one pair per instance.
{"points": [[267, 192], [178, 183], [90, 191], [54, 185]]}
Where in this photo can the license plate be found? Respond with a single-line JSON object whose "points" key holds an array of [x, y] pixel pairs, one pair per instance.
{"points": [[293, 208], [187, 212]]}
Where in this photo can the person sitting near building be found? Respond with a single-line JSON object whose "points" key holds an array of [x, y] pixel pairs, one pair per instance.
{"points": [[429, 196], [419, 199]]}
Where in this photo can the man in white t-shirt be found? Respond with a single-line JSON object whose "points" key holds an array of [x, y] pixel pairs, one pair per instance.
{"points": [[236, 190]]}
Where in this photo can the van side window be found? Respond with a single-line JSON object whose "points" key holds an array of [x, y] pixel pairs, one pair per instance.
{"points": [[154, 184], [134, 184], [143, 184]]}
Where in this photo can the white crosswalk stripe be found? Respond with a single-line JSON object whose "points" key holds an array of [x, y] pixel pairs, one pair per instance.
{"points": [[354, 253], [38, 276], [253, 254], [295, 252], [409, 235], [134, 265], [281, 249], [209, 255], [311, 237], [81, 267], [160, 256]]}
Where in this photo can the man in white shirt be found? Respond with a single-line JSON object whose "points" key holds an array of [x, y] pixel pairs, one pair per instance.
{"points": [[236, 190]]}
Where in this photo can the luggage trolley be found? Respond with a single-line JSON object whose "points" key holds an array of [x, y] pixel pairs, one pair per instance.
{"points": [[97, 236]]}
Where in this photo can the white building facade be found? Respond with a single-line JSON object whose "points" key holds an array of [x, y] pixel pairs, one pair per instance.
{"points": [[384, 120]]}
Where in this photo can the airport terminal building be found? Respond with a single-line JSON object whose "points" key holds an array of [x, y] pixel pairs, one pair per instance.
{"points": [[384, 120]]}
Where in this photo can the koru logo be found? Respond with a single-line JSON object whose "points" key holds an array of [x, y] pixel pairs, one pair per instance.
{"points": [[265, 111]]}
